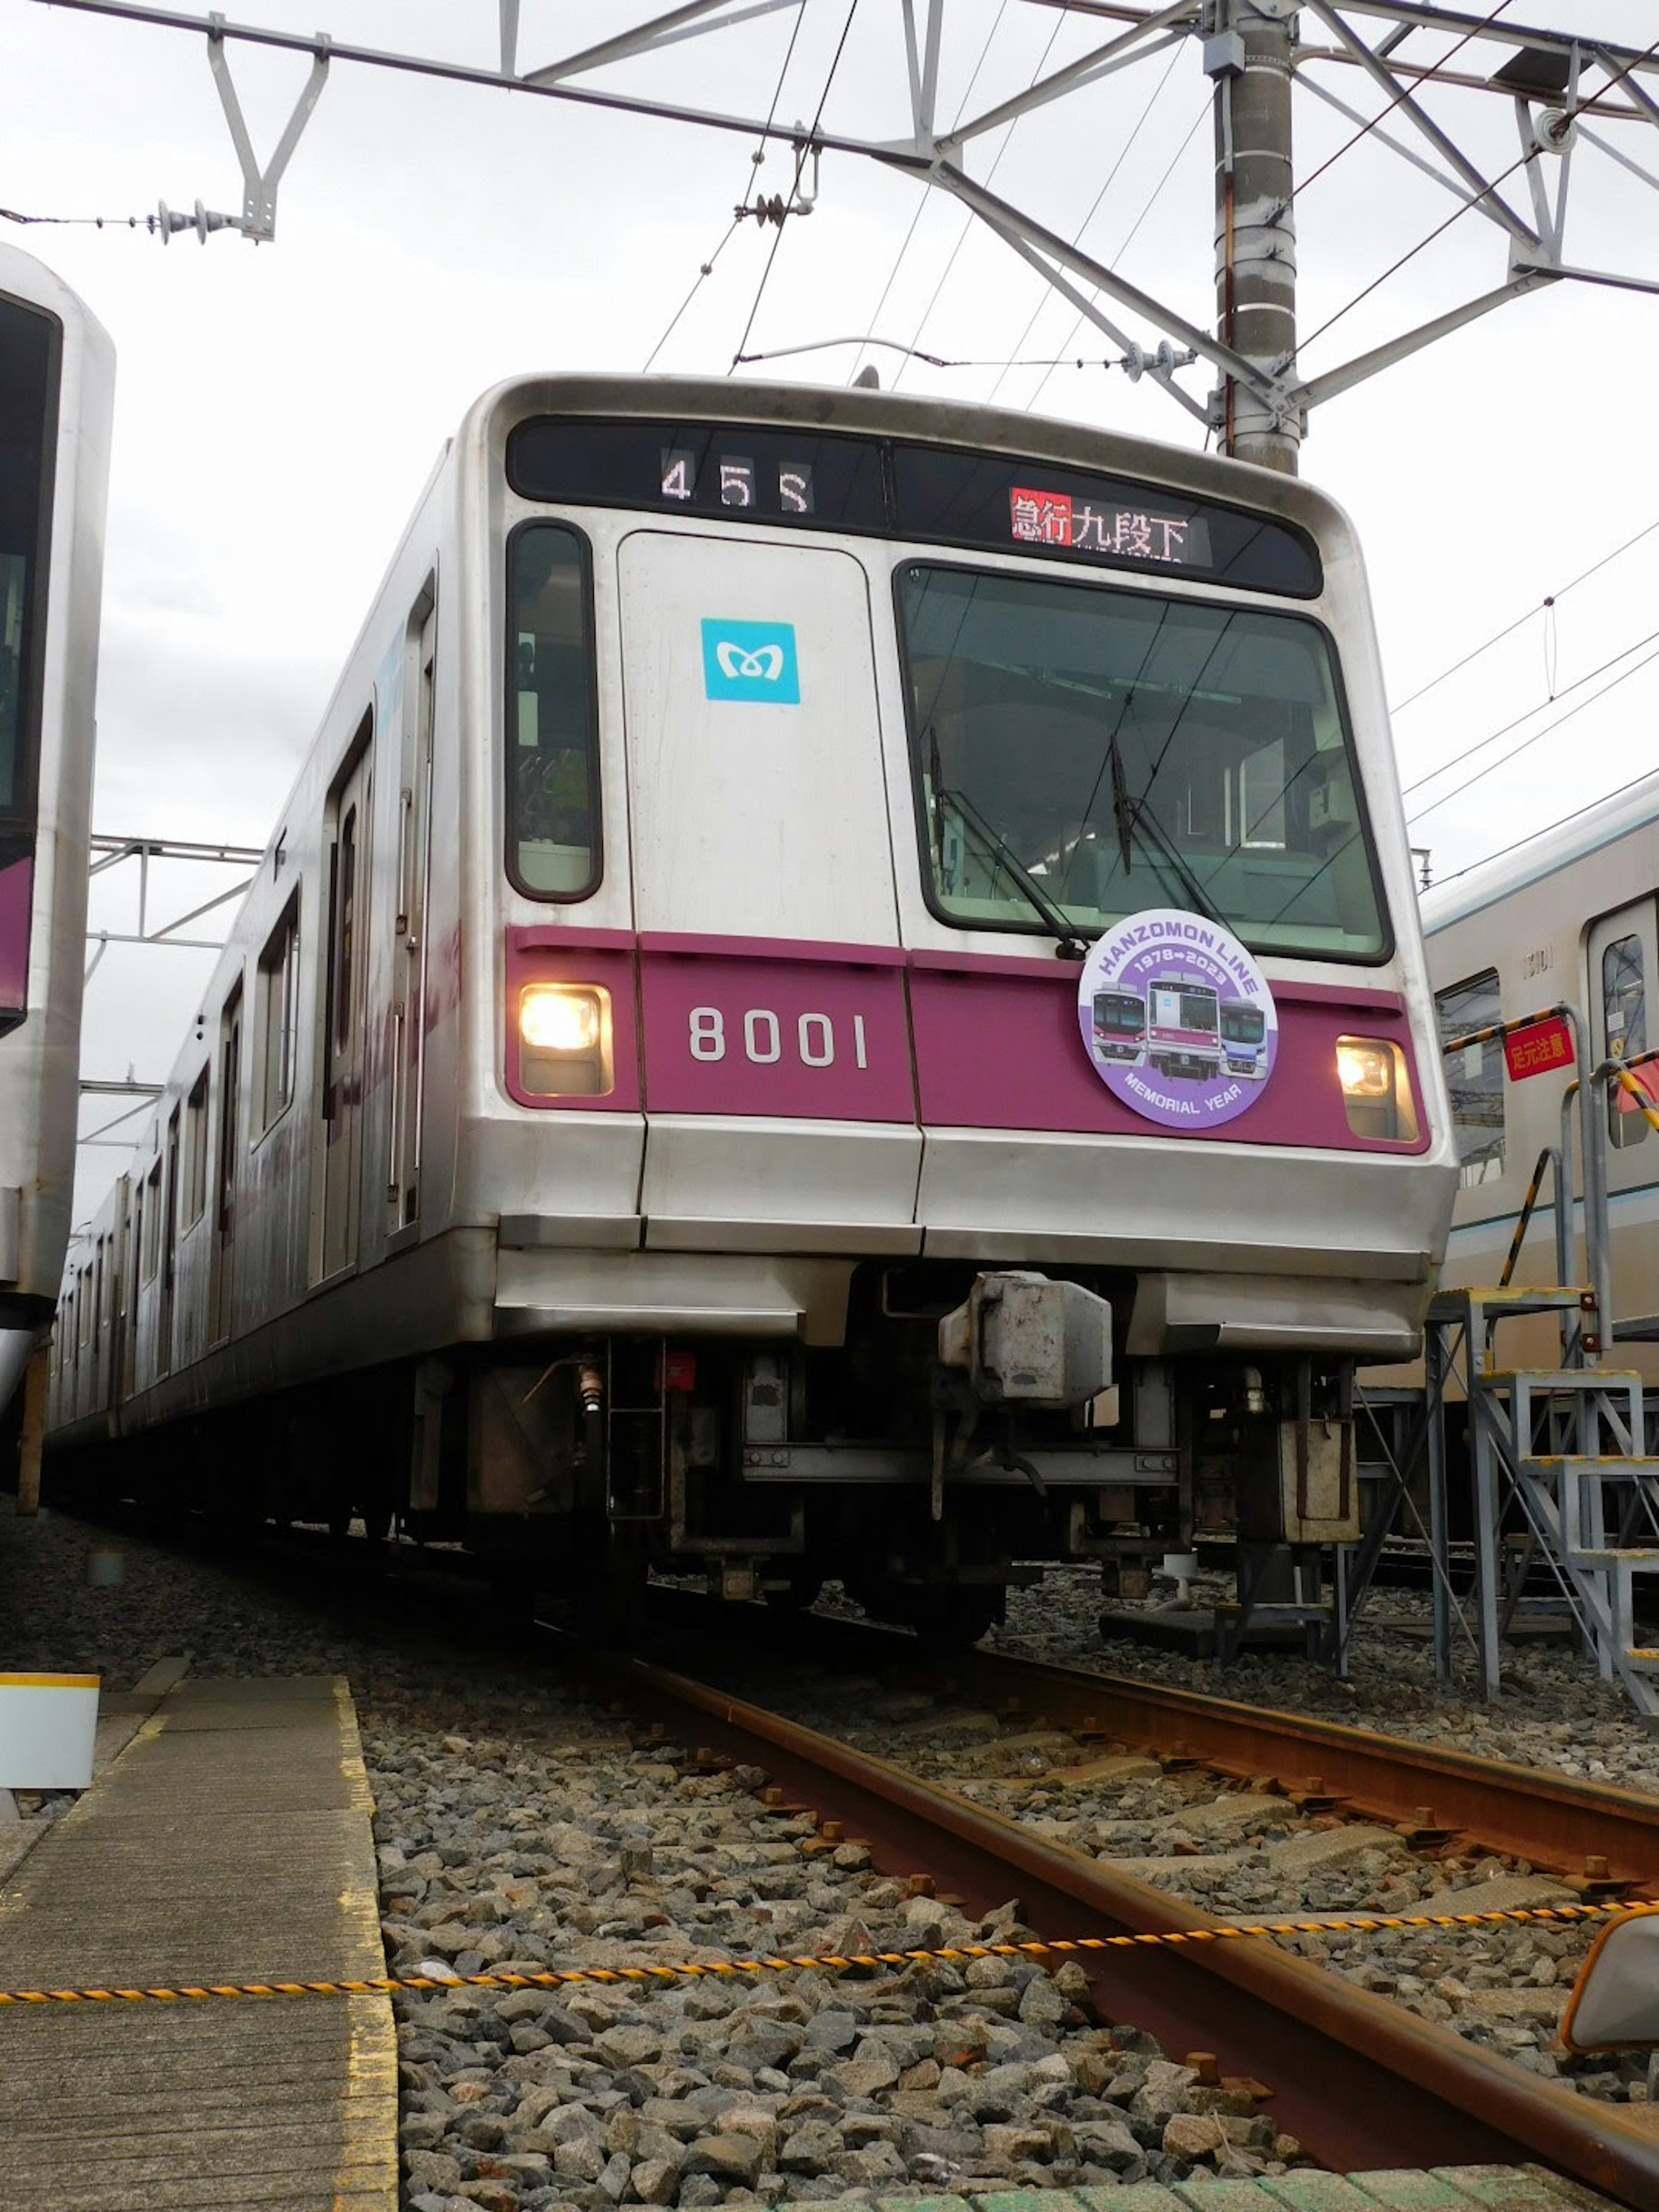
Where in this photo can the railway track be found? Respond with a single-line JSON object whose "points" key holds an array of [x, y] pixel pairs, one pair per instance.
{"points": [[1359, 2079], [1603, 1839]]}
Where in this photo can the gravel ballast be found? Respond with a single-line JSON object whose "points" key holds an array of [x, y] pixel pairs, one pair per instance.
{"points": [[519, 1827]]}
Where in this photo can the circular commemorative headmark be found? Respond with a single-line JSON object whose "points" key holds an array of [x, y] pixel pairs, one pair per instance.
{"points": [[1177, 1019]]}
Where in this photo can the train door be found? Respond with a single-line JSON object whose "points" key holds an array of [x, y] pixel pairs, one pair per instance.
{"points": [[409, 954], [756, 787], [346, 1013], [130, 1368], [169, 1258], [1623, 974], [224, 1179]]}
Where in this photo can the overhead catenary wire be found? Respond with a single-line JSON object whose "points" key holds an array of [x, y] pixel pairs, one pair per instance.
{"points": [[1550, 599], [1468, 752], [922, 201], [707, 269], [149, 222], [1150, 203], [1457, 214], [1135, 360], [968, 219], [801, 152], [1514, 751], [1403, 94], [1124, 151], [1502, 851]]}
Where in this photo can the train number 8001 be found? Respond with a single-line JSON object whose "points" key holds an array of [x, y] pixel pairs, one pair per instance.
{"points": [[765, 1036]]}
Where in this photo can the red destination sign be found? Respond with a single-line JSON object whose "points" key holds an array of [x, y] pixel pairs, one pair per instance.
{"points": [[1538, 1049]]}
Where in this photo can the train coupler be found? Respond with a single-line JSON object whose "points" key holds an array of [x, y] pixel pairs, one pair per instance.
{"points": [[1020, 1339]]}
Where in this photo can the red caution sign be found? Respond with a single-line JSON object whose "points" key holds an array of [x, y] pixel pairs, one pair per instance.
{"points": [[1538, 1049]]}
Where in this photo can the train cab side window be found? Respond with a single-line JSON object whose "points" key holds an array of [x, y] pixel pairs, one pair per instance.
{"points": [[30, 347], [195, 1189], [553, 848], [1625, 1017], [279, 1014], [1474, 1075]]}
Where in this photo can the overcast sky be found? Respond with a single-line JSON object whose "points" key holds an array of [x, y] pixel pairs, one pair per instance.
{"points": [[279, 407]]}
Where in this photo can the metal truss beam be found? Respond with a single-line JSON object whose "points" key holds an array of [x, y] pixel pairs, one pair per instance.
{"points": [[1485, 194], [1613, 83], [1022, 231], [1174, 22], [112, 851]]}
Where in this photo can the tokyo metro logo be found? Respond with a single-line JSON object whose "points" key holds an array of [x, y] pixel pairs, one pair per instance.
{"points": [[750, 660], [767, 663]]}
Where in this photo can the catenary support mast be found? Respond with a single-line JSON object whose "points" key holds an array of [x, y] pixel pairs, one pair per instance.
{"points": [[1248, 54]]}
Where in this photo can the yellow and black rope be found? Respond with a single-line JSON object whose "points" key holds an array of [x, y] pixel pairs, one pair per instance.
{"points": [[556, 1978]]}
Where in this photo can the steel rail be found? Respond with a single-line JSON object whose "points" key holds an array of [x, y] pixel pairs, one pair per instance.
{"points": [[1552, 1820], [1362, 2083]]}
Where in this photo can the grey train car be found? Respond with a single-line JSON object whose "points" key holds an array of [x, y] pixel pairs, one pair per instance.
{"points": [[1566, 917], [56, 389], [647, 1116]]}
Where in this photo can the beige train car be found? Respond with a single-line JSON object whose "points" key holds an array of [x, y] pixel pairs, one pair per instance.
{"points": [[1568, 916]]}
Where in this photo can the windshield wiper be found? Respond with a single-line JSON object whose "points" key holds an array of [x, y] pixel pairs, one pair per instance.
{"points": [[1073, 944], [1135, 819]]}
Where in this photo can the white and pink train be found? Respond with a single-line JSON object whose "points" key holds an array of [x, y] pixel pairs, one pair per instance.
{"points": [[647, 1113], [57, 391]]}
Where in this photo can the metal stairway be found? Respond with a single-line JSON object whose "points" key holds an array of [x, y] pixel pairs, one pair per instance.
{"points": [[1558, 1450]]}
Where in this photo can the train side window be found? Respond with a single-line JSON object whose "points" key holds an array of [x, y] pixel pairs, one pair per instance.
{"points": [[150, 1214], [195, 1192], [1624, 1017], [1474, 1075], [279, 1014], [345, 908], [553, 846]]}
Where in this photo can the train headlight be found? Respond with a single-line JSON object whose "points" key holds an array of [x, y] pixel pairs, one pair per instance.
{"points": [[564, 1040], [1366, 1070], [1375, 1089]]}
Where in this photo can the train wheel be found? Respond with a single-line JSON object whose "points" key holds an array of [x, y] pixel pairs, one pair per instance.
{"points": [[516, 1588], [608, 1601], [803, 1589], [955, 1617]]}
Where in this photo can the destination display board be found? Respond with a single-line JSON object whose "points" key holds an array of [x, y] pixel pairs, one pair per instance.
{"points": [[939, 494]]}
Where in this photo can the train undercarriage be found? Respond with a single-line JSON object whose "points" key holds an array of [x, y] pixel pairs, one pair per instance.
{"points": [[971, 1428]]}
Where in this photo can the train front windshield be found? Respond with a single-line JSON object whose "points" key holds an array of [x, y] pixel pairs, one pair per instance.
{"points": [[28, 376], [1100, 750], [1183, 1013], [1243, 1024]]}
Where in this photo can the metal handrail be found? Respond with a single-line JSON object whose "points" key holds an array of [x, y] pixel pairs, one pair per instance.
{"points": [[1549, 1157], [1593, 1157]]}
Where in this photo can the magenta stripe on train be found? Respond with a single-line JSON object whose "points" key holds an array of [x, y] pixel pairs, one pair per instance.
{"points": [[800, 1030], [17, 897]]}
